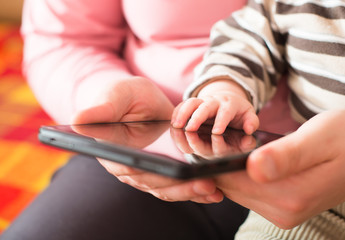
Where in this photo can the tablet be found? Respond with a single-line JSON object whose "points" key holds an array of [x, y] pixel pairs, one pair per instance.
{"points": [[157, 147]]}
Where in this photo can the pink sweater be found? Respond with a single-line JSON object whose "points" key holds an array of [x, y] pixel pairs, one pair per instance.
{"points": [[71, 47]]}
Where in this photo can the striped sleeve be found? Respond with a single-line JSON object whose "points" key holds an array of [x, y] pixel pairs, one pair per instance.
{"points": [[244, 48], [269, 38], [315, 51]]}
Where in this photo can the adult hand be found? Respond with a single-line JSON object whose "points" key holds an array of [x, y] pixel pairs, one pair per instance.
{"points": [[134, 99], [296, 177], [135, 135], [139, 99]]}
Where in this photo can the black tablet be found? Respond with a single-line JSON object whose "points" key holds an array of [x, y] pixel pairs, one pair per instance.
{"points": [[158, 147]]}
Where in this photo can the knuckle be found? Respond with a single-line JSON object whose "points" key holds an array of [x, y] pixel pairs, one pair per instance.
{"points": [[225, 109], [224, 97], [192, 101], [205, 105]]}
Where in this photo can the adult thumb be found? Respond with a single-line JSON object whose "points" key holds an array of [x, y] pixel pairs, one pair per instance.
{"points": [[100, 113], [285, 157]]}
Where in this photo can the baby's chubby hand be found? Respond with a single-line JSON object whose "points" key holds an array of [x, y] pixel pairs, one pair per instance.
{"points": [[224, 101]]}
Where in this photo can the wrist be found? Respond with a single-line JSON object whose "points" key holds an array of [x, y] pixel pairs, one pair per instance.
{"points": [[223, 84]]}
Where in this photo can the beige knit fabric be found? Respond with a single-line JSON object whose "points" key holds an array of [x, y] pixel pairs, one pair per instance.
{"points": [[329, 225]]}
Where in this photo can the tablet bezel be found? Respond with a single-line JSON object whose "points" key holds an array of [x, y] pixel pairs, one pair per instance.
{"points": [[160, 164]]}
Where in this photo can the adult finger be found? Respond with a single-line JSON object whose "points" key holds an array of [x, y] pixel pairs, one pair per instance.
{"points": [[169, 189], [216, 197], [147, 181], [100, 113], [194, 189], [118, 169], [165, 188]]}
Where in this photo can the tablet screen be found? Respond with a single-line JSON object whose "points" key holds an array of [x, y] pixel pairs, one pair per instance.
{"points": [[160, 138], [158, 147]]}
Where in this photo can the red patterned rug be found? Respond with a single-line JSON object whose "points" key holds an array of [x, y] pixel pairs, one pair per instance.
{"points": [[25, 165]]}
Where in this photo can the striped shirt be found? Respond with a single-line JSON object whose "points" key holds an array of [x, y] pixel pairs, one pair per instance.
{"points": [[258, 44]]}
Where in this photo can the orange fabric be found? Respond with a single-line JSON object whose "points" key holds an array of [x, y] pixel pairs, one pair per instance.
{"points": [[25, 164]]}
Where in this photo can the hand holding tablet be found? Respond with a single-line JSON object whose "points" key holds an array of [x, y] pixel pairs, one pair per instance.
{"points": [[157, 147]]}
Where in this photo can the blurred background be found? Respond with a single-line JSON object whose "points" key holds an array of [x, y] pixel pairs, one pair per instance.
{"points": [[25, 165], [10, 10]]}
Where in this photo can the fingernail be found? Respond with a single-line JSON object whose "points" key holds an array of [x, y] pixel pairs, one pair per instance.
{"points": [[177, 124], [216, 130], [249, 129], [188, 127]]}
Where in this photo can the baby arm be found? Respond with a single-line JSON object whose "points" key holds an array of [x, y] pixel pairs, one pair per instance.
{"points": [[223, 100]]}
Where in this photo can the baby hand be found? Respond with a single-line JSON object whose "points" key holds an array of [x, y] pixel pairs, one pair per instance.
{"points": [[224, 101]]}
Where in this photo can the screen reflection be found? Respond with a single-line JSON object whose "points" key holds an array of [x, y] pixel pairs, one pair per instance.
{"points": [[161, 138]]}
